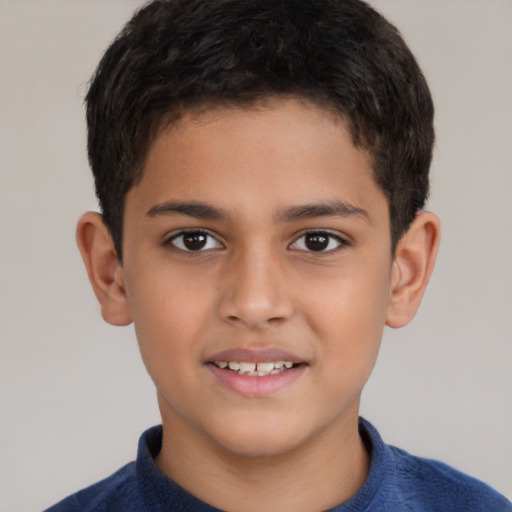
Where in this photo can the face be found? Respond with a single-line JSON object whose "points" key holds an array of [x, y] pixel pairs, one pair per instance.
{"points": [[257, 267]]}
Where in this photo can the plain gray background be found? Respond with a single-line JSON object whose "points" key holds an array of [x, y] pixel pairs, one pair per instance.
{"points": [[74, 396]]}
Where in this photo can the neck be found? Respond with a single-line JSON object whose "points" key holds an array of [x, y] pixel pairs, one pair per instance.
{"points": [[318, 475]]}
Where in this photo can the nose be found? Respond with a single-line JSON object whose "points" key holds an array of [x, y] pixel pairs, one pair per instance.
{"points": [[254, 292]]}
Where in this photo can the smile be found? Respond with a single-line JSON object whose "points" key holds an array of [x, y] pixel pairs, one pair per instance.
{"points": [[261, 369], [256, 372]]}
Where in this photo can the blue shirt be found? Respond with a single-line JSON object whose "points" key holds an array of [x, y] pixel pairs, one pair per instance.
{"points": [[397, 482]]}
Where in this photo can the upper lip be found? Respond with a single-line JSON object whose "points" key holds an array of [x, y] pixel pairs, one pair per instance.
{"points": [[255, 355]]}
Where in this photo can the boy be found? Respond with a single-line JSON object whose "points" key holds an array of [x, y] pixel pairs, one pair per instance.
{"points": [[261, 169]]}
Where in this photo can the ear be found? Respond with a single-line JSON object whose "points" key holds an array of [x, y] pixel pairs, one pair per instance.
{"points": [[103, 268], [412, 267]]}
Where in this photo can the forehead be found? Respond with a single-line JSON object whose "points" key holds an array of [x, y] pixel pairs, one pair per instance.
{"points": [[281, 152]]}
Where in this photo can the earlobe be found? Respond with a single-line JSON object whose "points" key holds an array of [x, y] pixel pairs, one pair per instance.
{"points": [[412, 267], [103, 268]]}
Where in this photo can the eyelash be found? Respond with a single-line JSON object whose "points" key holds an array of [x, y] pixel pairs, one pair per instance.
{"points": [[192, 232], [180, 236], [340, 241]]}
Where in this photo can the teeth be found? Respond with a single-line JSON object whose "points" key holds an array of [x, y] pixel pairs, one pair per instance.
{"points": [[247, 367], [256, 369], [265, 367]]}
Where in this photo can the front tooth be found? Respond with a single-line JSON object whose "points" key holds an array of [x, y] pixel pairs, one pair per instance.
{"points": [[288, 364], [265, 367], [233, 365], [247, 367]]}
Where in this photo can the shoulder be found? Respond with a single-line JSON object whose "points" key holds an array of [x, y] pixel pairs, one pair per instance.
{"points": [[399, 481], [439, 487], [118, 492]]}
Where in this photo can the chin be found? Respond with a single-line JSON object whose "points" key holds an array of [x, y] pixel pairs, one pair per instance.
{"points": [[257, 448], [260, 438]]}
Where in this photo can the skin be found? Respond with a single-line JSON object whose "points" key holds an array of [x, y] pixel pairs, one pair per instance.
{"points": [[255, 285]]}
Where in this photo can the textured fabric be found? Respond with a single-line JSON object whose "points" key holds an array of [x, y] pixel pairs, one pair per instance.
{"points": [[397, 482]]}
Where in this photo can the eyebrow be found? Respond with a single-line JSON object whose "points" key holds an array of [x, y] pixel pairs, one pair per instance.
{"points": [[192, 209], [323, 209], [201, 210]]}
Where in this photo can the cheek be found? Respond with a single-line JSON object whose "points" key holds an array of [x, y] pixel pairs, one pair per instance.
{"points": [[348, 316], [169, 314], [353, 300]]}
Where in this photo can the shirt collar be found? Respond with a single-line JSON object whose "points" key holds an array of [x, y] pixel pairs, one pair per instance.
{"points": [[162, 494]]}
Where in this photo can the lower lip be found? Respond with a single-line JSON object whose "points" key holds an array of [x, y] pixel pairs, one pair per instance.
{"points": [[256, 386]]}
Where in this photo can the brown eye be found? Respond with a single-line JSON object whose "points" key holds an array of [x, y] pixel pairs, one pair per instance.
{"points": [[194, 241], [318, 241]]}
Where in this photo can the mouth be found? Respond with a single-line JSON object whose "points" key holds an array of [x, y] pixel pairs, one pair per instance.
{"points": [[256, 372], [256, 369]]}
